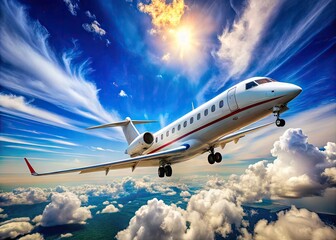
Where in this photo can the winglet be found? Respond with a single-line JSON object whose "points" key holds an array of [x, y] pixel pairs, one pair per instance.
{"points": [[31, 169]]}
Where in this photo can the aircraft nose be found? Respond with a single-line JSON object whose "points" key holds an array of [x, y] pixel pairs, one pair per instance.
{"points": [[293, 90]]}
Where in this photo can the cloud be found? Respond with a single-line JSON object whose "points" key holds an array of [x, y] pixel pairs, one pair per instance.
{"points": [[42, 70], [238, 43], [110, 209], [72, 6], [122, 93], [211, 211], [185, 194], [15, 227], [94, 27], [90, 15], [106, 202], [307, 226], [34, 236], [103, 149], [23, 196], [17, 141], [66, 235], [65, 208], [155, 220], [17, 105], [164, 15], [163, 118]]}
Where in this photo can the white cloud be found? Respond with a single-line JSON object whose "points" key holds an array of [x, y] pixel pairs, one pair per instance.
{"points": [[72, 6], [106, 202], [295, 224], [94, 27], [110, 209], [17, 105], [37, 219], [34, 236], [90, 15], [66, 235], [103, 149], [185, 194], [163, 118], [42, 71], [65, 208], [3, 215], [238, 43], [155, 220], [120, 205], [23, 196], [122, 93], [17, 141], [15, 227]]}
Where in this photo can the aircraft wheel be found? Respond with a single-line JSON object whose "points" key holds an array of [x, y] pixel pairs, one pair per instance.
{"points": [[218, 157], [211, 158], [280, 122], [168, 170], [161, 172]]}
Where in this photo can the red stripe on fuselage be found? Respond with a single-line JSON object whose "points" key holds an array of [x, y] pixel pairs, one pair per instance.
{"points": [[213, 122]]}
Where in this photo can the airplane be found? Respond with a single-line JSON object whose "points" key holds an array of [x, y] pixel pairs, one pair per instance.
{"points": [[213, 124]]}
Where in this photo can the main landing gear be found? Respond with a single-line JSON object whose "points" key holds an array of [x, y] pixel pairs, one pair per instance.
{"points": [[165, 170], [214, 157], [279, 122]]}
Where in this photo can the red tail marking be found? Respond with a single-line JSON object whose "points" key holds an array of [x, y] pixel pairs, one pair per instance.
{"points": [[31, 169]]}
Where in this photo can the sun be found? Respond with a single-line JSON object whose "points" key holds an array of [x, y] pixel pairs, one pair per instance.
{"points": [[183, 38]]}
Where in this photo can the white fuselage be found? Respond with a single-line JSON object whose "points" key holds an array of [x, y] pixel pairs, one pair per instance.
{"points": [[231, 110]]}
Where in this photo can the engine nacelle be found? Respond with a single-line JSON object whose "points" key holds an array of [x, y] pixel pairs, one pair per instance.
{"points": [[140, 144]]}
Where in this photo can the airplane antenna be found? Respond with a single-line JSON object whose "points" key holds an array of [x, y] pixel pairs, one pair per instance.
{"points": [[192, 105]]}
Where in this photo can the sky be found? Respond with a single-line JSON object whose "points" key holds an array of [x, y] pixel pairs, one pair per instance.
{"points": [[68, 65]]}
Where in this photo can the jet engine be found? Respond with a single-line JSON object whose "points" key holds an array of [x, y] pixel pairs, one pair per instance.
{"points": [[140, 144]]}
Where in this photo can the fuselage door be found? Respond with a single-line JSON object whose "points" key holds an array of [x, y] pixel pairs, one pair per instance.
{"points": [[232, 99]]}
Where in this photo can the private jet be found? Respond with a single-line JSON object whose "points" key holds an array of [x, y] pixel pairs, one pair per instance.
{"points": [[214, 124]]}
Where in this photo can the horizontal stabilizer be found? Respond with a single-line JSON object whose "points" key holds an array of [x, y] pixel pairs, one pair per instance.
{"points": [[121, 123]]}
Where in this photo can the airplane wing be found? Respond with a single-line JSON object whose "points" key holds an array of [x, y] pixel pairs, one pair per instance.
{"points": [[237, 135], [124, 163]]}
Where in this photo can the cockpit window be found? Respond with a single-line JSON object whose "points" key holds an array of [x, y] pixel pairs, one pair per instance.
{"points": [[264, 80], [251, 85]]}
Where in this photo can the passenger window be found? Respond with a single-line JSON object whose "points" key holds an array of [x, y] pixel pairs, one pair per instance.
{"points": [[213, 108], [198, 116], [250, 85], [167, 133], [173, 130], [221, 104], [191, 120], [161, 136], [156, 139], [205, 112], [185, 124], [179, 127]]}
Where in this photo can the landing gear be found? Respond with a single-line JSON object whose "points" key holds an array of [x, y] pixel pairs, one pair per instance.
{"points": [[279, 122], [214, 157], [166, 169]]}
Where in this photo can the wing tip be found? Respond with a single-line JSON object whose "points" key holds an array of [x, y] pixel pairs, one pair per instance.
{"points": [[31, 169]]}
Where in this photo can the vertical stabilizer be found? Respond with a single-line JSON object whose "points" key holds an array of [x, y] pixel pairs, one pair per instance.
{"points": [[127, 126]]}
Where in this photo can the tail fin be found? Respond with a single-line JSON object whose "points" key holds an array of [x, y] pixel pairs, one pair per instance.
{"points": [[127, 126]]}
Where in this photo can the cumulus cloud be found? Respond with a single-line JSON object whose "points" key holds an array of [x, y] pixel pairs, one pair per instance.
{"points": [[155, 220], [34, 236], [94, 28], [110, 209], [15, 227], [23, 196], [66, 235], [72, 5], [106, 202], [65, 208], [2, 215], [122, 93], [42, 70], [185, 194], [211, 211], [307, 224], [90, 15]]}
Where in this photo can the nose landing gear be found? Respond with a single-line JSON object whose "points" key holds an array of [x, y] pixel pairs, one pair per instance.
{"points": [[279, 122]]}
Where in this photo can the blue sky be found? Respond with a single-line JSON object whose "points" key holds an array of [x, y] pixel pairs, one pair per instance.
{"points": [[68, 65]]}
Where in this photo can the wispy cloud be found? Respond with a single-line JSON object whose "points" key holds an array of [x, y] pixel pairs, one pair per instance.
{"points": [[18, 141], [122, 93], [42, 71], [103, 149], [72, 6], [90, 15]]}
